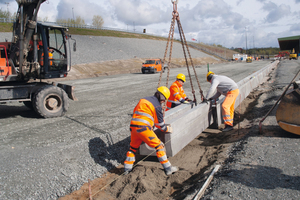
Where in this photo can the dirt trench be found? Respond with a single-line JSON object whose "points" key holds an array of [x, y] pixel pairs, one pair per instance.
{"points": [[195, 162]]}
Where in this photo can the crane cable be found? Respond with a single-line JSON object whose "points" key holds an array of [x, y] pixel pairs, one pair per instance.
{"points": [[184, 45]]}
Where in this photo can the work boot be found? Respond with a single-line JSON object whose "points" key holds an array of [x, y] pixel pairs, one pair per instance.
{"points": [[227, 128], [171, 170]]}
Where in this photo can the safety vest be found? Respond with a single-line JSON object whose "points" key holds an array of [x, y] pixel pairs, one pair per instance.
{"points": [[176, 95], [50, 55], [148, 112]]}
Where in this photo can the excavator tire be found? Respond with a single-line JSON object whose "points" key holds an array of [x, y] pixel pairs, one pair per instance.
{"points": [[50, 101]]}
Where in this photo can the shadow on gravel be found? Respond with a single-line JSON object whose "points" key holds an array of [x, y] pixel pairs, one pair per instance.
{"points": [[262, 177], [13, 111], [105, 153]]}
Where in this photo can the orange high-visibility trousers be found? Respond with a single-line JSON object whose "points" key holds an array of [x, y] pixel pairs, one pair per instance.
{"points": [[145, 134], [228, 107]]}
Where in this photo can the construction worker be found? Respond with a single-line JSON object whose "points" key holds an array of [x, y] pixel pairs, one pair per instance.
{"points": [[147, 114], [228, 88], [177, 95]]}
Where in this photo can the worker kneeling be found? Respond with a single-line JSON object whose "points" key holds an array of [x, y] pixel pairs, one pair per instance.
{"points": [[146, 114], [177, 95]]}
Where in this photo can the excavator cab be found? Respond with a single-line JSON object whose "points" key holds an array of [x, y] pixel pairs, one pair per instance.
{"points": [[52, 51]]}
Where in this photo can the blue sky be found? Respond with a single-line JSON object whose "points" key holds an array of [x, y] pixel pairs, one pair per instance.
{"points": [[225, 22]]}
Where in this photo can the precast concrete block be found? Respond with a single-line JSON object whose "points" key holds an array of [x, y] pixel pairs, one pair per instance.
{"points": [[188, 121], [185, 129]]}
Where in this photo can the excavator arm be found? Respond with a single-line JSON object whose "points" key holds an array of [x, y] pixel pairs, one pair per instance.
{"points": [[23, 30]]}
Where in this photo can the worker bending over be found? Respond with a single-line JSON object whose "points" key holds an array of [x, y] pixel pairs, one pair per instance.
{"points": [[228, 88], [147, 114], [177, 95]]}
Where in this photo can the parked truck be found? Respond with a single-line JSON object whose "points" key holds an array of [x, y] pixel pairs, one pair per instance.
{"points": [[153, 66], [37, 53]]}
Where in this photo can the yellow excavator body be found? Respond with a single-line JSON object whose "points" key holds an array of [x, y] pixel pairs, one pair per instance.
{"points": [[288, 111]]}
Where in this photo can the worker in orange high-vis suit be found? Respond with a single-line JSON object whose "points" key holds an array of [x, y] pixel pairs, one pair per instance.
{"points": [[229, 89], [177, 95], [147, 114]]}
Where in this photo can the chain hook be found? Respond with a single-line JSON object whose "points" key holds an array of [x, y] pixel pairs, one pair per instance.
{"points": [[175, 12]]}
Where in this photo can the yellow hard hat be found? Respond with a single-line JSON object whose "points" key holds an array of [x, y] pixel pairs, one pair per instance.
{"points": [[165, 91], [181, 77], [209, 73]]}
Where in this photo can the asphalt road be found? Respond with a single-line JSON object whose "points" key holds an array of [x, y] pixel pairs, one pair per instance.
{"points": [[49, 158]]}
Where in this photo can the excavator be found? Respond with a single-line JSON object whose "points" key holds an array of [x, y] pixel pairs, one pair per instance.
{"points": [[37, 53], [287, 114], [288, 109]]}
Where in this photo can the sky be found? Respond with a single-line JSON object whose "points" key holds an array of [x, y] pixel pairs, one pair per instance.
{"points": [[230, 23]]}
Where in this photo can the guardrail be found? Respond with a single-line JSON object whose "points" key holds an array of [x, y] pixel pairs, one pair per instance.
{"points": [[188, 122]]}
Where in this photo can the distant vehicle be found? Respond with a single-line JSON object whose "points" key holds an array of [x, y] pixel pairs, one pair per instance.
{"points": [[153, 66], [293, 55], [239, 57], [249, 60]]}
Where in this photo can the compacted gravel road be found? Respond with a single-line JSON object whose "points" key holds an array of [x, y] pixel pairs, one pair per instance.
{"points": [[50, 158]]}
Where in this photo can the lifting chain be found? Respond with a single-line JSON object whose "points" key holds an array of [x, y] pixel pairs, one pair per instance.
{"points": [[184, 44]]}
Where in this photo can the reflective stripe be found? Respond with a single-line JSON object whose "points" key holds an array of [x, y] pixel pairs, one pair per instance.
{"points": [[227, 120], [160, 124], [141, 120], [128, 167], [176, 102], [175, 94], [130, 159], [226, 115], [163, 158], [169, 108], [180, 99], [166, 165], [144, 114]]}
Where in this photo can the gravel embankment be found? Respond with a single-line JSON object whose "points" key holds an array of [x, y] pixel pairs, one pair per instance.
{"points": [[94, 49]]}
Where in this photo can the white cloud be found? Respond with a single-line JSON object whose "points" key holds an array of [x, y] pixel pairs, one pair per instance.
{"points": [[210, 21]]}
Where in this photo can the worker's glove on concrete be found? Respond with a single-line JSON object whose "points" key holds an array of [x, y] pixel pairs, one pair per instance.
{"points": [[205, 100], [169, 129], [186, 102], [187, 99]]}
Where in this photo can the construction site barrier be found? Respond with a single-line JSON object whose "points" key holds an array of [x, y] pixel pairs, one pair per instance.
{"points": [[188, 121]]}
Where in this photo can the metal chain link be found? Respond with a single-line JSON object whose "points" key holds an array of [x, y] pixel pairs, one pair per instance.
{"points": [[184, 45], [200, 90]]}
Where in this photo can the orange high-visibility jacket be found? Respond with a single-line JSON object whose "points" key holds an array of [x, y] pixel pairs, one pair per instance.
{"points": [[148, 112], [176, 94]]}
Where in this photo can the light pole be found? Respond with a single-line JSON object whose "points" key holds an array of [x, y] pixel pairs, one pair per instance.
{"points": [[7, 10], [246, 38], [133, 27], [73, 14]]}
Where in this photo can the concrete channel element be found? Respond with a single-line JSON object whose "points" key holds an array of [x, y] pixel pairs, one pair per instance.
{"points": [[188, 121]]}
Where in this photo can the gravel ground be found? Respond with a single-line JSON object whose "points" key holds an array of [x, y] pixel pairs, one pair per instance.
{"points": [[49, 158], [263, 166]]}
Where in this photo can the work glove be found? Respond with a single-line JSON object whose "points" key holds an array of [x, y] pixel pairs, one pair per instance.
{"points": [[204, 100], [186, 102], [169, 129]]}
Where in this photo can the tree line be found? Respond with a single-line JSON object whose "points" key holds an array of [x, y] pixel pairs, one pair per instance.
{"points": [[258, 51], [97, 20]]}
